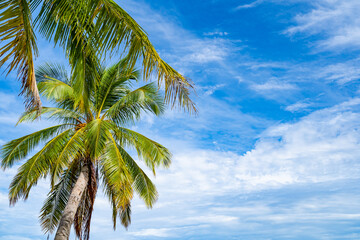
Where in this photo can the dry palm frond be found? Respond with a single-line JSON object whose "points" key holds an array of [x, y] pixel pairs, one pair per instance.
{"points": [[19, 48]]}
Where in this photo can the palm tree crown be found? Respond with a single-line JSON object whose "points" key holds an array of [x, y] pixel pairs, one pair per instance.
{"points": [[92, 132]]}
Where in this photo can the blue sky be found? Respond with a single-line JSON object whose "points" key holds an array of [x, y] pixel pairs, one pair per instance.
{"points": [[275, 150]]}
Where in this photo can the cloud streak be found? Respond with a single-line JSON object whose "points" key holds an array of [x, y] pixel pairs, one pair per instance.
{"points": [[334, 21]]}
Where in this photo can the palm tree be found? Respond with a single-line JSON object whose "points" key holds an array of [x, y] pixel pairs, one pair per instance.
{"points": [[102, 24], [87, 146]]}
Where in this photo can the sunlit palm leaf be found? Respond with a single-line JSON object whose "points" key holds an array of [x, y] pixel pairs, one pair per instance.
{"points": [[57, 114], [19, 50], [141, 182], [129, 107], [116, 28], [36, 167], [18, 149], [153, 153]]}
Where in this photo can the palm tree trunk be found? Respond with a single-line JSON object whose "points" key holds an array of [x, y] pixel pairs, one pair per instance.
{"points": [[67, 218]]}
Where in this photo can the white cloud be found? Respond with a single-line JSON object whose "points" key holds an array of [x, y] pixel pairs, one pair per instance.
{"points": [[249, 5], [336, 21], [153, 232], [216, 33], [273, 85], [209, 90], [206, 51], [186, 48], [342, 72], [298, 106], [323, 146]]}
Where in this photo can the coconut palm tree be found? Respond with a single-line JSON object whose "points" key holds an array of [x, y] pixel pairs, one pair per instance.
{"points": [[88, 146], [102, 24]]}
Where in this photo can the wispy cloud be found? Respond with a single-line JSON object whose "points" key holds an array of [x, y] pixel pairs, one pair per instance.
{"points": [[249, 5], [273, 85], [335, 22], [298, 106], [342, 72], [154, 232], [209, 90], [216, 33]]}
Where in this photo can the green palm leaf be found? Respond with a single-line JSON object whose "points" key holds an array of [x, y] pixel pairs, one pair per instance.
{"points": [[56, 114], [128, 108], [36, 167], [115, 27], [153, 153], [18, 149]]}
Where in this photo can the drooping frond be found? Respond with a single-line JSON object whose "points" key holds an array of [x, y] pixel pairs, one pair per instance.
{"points": [[18, 149], [57, 114], [128, 109], [114, 84], [36, 167], [120, 200], [153, 153], [119, 168], [117, 181], [141, 182], [125, 215], [116, 28], [19, 50], [57, 199]]}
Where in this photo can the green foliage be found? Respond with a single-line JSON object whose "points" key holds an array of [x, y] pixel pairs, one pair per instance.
{"points": [[96, 135], [57, 198], [87, 30], [16, 31]]}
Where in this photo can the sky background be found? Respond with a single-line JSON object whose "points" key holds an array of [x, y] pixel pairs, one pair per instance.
{"points": [[275, 150]]}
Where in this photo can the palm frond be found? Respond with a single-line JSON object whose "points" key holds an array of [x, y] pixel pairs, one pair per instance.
{"points": [[117, 183], [128, 109], [85, 28], [118, 169], [67, 24], [48, 71], [114, 85], [57, 114], [153, 153], [96, 137], [116, 28], [20, 48], [56, 90], [18, 149], [36, 167], [73, 148], [141, 182], [57, 199]]}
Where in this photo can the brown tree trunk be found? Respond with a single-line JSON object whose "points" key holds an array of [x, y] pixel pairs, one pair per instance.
{"points": [[67, 218]]}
